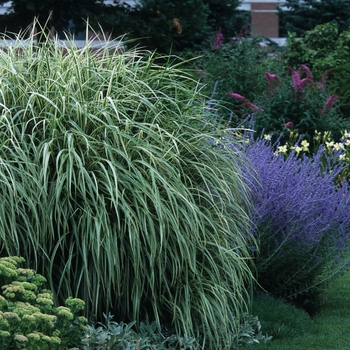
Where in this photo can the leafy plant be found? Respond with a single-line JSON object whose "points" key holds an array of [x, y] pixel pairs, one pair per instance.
{"points": [[324, 48], [299, 17], [113, 335], [236, 65], [296, 103], [62, 15], [301, 222], [28, 318], [178, 27], [109, 185]]}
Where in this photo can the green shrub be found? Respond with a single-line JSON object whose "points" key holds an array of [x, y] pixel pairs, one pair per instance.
{"points": [[178, 27], [235, 65], [110, 185], [297, 103], [28, 318], [324, 48]]}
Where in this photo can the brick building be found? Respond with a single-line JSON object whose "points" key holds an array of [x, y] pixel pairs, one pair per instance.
{"points": [[264, 17]]}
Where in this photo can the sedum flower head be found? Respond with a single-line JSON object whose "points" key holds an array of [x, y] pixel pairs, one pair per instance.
{"points": [[64, 312], [20, 338], [33, 336], [75, 304]]}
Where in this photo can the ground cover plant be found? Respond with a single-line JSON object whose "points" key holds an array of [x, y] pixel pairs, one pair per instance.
{"points": [[109, 187]]}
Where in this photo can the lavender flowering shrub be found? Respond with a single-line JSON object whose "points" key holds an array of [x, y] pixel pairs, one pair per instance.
{"points": [[301, 220]]}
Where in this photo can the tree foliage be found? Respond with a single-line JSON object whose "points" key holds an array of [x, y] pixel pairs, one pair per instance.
{"points": [[174, 26], [299, 17], [62, 14]]}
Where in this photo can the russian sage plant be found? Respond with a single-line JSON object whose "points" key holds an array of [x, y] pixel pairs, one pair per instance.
{"points": [[301, 220]]}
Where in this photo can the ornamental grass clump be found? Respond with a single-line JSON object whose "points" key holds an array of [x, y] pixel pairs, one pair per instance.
{"points": [[301, 221], [108, 184], [28, 318]]}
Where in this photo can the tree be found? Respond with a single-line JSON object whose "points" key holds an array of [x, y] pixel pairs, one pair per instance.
{"points": [[299, 17], [60, 14], [186, 25], [225, 16]]}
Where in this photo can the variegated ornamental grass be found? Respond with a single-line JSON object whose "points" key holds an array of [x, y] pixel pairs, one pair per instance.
{"points": [[110, 189]]}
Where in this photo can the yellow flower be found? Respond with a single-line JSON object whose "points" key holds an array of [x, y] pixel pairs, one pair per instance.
{"points": [[305, 145], [329, 144], [298, 149], [337, 146], [346, 135], [282, 149], [267, 137]]}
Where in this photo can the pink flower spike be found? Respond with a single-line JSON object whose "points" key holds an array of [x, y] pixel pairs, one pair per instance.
{"points": [[324, 77], [271, 78], [236, 96], [253, 106], [219, 40], [306, 69], [295, 76], [330, 101], [289, 125]]}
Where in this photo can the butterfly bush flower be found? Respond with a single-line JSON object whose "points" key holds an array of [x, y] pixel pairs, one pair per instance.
{"points": [[298, 83], [236, 96], [219, 40], [245, 102], [289, 125], [330, 102], [324, 77], [272, 79], [201, 73]]}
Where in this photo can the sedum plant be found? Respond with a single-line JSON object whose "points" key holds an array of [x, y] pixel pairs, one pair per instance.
{"points": [[28, 318], [108, 184]]}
